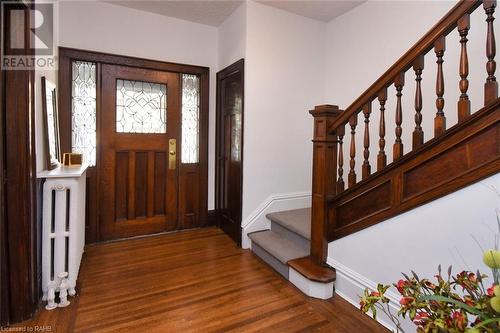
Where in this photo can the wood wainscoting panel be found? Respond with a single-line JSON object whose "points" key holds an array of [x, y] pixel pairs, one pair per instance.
{"points": [[372, 201], [478, 150]]}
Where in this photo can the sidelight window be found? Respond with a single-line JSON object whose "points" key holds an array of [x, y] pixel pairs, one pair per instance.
{"points": [[190, 118], [83, 110]]}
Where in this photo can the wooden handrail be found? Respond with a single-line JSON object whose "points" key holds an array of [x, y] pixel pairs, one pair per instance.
{"points": [[424, 45], [453, 158]]}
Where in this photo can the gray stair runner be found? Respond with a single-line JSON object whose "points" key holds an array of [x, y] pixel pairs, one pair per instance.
{"points": [[297, 220], [288, 239]]}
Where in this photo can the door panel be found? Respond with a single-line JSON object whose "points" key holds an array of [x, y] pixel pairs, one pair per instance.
{"points": [[230, 149], [140, 114]]}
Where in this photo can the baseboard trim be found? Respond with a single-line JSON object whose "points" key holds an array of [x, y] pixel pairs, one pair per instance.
{"points": [[212, 216], [257, 219], [350, 285]]}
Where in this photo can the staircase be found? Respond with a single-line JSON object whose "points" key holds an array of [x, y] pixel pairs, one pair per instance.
{"points": [[348, 196], [286, 248], [288, 239]]}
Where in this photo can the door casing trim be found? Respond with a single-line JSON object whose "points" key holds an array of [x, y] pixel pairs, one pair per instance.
{"points": [[67, 55]]}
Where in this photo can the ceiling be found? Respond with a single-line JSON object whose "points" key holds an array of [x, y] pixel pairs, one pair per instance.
{"points": [[322, 10], [214, 12]]}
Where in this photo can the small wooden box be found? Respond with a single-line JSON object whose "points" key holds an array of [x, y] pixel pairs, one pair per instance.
{"points": [[72, 159]]}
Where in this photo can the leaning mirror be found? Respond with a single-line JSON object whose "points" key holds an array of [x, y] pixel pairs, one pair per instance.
{"points": [[51, 125]]}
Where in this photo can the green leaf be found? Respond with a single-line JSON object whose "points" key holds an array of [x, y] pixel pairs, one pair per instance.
{"points": [[452, 301]]}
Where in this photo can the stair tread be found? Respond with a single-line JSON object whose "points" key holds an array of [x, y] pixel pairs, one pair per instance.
{"points": [[296, 220], [280, 247]]}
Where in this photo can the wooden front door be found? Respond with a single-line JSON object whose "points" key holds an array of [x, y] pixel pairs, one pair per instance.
{"points": [[230, 149], [139, 142]]}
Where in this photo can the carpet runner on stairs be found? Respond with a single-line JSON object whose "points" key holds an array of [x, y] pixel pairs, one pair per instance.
{"points": [[289, 238]]}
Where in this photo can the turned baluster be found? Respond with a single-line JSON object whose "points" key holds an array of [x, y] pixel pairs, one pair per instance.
{"points": [[463, 26], [399, 82], [366, 168], [353, 122], [418, 133], [440, 119], [491, 85], [382, 157], [340, 181]]}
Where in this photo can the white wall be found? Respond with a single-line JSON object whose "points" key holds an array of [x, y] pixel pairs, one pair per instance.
{"points": [[284, 79], [360, 46], [103, 27], [232, 37]]}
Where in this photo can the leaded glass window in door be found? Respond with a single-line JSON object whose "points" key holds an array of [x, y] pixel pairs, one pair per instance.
{"points": [[83, 110], [141, 107], [190, 118]]}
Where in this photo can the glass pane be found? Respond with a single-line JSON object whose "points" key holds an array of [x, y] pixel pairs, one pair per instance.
{"points": [[141, 107], [83, 110], [190, 118]]}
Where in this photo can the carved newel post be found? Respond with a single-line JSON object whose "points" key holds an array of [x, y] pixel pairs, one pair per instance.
{"points": [[324, 175]]}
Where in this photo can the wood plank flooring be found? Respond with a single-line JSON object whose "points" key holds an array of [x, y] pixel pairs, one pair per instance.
{"points": [[191, 281]]}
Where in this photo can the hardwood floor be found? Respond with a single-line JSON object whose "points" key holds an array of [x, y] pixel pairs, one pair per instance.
{"points": [[191, 281]]}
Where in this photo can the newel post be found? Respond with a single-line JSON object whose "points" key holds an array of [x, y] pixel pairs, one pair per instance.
{"points": [[324, 175]]}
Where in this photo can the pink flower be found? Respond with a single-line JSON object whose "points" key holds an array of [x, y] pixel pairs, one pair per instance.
{"points": [[406, 300], [490, 290], [459, 319], [401, 284]]}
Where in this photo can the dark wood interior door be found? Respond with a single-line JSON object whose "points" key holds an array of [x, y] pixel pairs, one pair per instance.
{"points": [[139, 138], [230, 149]]}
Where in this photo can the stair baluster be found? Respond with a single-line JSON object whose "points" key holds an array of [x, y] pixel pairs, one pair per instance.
{"points": [[440, 119], [340, 181], [418, 133], [382, 157], [366, 169], [491, 85], [399, 82], [463, 26], [353, 122]]}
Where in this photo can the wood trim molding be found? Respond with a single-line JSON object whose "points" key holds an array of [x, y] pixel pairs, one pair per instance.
{"points": [[19, 241]]}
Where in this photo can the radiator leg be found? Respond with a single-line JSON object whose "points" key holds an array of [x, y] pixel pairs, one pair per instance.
{"points": [[63, 290], [51, 296]]}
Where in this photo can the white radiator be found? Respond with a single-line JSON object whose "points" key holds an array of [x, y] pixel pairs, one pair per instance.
{"points": [[63, 225]]}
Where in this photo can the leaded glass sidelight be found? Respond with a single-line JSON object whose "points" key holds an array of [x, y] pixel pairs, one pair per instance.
{"points": [[83, 110], [141, 107], [190, 118]]}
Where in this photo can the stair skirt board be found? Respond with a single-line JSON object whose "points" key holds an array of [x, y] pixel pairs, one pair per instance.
{"points": [[270, 260]]}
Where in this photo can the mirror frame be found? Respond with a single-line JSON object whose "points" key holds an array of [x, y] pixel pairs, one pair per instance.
{"points": [[51, 162]]}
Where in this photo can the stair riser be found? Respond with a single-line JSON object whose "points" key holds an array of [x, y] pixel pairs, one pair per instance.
{"points": [[296, 238], [270, 260]]}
